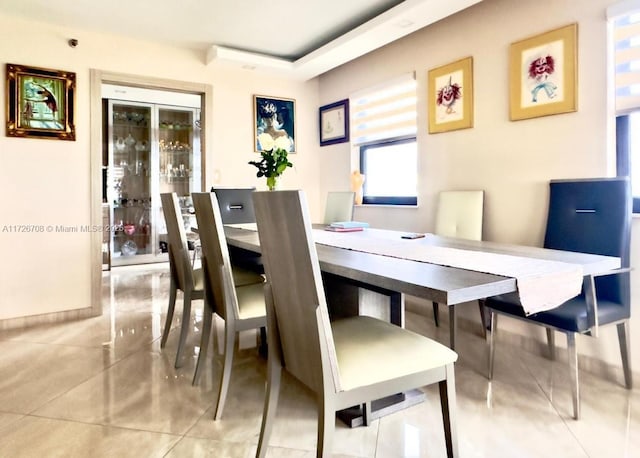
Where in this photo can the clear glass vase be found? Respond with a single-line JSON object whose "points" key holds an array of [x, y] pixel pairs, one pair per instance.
{"points": [[272, 183]]}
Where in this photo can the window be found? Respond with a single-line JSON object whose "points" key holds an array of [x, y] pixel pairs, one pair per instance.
{"points": [[383, 132], [628, 152], [625, 21], [390, 171]]}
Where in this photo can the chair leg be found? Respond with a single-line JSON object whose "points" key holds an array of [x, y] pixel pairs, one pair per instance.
{"points": [[436, 317], [625, 351], [453, 326], [493, 323], [263, 350], [274, 374], [184, 329], [197, 250], [173, 291], [326, 426], [551, 343], [207, 319], [573, 373], [225, 376], [448, 406]]}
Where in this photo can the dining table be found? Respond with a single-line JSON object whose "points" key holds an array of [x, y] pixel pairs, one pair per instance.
{"points": [[444, 284], [371, 271]]}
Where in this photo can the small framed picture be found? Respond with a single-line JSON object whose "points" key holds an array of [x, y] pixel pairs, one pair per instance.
{"points": [[40, 103], [334, 123], [542, 74], [276, 117], [450, 96]]}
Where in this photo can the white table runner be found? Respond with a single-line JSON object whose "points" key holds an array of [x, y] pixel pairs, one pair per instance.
{"points": [[542, 284]]}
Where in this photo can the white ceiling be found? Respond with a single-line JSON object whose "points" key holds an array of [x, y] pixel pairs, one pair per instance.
{"points": [[302, 38]]}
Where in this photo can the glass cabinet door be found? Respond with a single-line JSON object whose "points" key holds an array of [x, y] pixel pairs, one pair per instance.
{"points": [[130, 181], [179, 161]]}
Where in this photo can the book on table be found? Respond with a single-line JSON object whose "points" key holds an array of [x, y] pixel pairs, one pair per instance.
{"points": [[349, 224], [344, 229]]}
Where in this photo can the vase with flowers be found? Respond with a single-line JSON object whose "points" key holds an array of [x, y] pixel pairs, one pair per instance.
{"points": [[274, 158]]}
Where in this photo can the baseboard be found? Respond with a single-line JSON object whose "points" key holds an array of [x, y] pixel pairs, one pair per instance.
{"points": [[46, 318]]}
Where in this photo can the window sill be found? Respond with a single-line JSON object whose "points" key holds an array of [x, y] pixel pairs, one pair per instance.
{"points": [[389, 206]]}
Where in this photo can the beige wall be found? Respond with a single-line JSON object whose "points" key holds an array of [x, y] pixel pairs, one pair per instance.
{"points": [[511, 161], [47, 182]]}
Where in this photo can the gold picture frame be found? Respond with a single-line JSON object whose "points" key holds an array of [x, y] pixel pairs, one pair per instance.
{"points": [[543, 74], [450, 96], [40, 103]]}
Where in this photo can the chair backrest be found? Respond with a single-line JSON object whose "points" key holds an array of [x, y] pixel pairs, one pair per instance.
{"points": [[178, 248], [339, 206], [459, 214], [293, 275], [216, 264], [593, 216], [236, 205]]}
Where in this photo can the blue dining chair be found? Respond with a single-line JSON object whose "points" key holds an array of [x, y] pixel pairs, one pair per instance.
{"points": [[590, 216]]}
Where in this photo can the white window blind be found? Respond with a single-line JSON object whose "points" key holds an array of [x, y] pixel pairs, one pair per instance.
{"points": [[385, 111], [625, 18]]}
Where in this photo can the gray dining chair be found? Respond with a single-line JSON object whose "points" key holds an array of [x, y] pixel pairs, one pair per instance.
{"points": [[347, 362], [183, 276], [459, 214], [589, 216], [234, 294]]}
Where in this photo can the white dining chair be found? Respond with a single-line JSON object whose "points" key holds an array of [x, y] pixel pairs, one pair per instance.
{"points": [[459, 214], [339, 206]]}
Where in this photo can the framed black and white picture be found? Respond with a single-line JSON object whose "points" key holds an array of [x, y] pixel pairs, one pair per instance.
{"points": [[334, 123]]}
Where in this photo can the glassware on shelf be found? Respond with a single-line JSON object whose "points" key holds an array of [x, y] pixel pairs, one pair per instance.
{"points": [[119, 116], [120, 145], [137, 118], [141, 146], [129, 248]]}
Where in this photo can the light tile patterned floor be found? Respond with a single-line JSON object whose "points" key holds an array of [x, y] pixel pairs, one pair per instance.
{"points": [[102, 387]]}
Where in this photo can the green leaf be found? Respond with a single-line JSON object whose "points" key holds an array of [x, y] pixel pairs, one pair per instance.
{"points": [[272, 164]]}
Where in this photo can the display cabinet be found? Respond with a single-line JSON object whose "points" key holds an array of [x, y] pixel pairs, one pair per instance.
{"points": [[151, 149]]}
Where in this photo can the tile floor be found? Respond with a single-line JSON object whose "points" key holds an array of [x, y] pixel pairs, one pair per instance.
{"points": [[102, 387]]}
